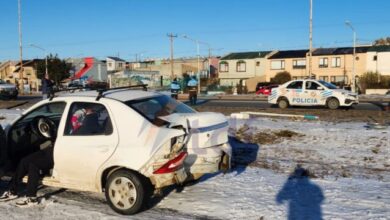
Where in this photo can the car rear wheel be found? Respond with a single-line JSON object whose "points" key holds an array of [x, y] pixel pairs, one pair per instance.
{"points": [[125, 192], [333, 103], [283, 103]]}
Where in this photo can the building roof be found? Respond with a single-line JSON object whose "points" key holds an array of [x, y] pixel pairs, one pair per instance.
{"points": [[289, 54], [246, 55], [339, 50], [381, 48], [116, 59]]}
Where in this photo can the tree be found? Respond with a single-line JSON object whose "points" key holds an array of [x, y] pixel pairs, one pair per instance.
{"points": [[373, 80], [58, 69], [281, 77], [382, 41]]}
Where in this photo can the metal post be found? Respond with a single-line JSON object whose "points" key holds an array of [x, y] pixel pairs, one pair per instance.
{"points": [[311, 39], [353, 83], [20, 47]]}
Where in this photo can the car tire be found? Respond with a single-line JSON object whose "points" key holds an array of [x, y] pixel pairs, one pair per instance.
{"points": [[283, 103], [333, 103], [125, 192]]}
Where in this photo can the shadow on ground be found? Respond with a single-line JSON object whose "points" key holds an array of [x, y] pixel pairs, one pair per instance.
{"points": [[304, 198]]}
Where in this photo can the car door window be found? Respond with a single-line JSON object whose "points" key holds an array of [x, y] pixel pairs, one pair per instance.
{"points": [[310, 85], [88, 119], [295, 85]]}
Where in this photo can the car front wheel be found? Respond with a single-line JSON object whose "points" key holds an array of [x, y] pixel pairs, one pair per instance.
{"points": [[125, 192], [333, 103]]}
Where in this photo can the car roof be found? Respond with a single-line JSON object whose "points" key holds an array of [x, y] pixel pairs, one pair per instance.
{"points": [[121, 95]]}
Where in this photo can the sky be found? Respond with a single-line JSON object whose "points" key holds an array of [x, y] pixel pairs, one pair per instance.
{"points": [[139, 28]]}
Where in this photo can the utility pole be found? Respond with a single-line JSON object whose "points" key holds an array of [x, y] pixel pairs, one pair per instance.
{"points": [[353, 84], [310, 38], [171, 36], [20, 47]]}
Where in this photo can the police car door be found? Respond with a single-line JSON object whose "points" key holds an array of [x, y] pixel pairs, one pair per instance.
{"points": [[312, 93], [294, 92]]}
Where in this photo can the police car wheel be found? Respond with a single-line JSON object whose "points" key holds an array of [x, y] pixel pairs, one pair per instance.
{"points": [[283, 103], [333, 103]]}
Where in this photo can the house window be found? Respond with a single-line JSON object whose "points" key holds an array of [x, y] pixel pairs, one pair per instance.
{"points": [[375, 58], [241, 66], [109, 64], [336, 61], [299, 64], [339, 80], [223, 66], [258, 63], [324, 78], [323, 63], [277, 65], [120, 65]]}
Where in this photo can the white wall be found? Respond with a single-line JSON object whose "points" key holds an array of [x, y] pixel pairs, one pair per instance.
{"points": [[382, 64]]}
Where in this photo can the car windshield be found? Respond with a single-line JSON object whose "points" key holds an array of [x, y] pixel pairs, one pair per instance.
{"points": [[155, 107], [328, 85]]}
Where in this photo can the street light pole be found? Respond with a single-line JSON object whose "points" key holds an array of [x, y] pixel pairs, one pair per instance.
{"points": [[348, 23], [38, 47], [198, 55], [20, 47]]}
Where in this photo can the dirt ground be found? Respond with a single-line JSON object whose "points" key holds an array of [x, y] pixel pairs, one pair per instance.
{"points": [[339, 115]]}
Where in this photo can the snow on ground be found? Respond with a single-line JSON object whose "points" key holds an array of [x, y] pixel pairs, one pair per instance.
{"points": [[325, 148], [349, 161]]}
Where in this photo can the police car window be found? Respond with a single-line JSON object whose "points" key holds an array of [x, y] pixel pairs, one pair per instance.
{"points": [[295, 85], [88, 119], [310, 85]]}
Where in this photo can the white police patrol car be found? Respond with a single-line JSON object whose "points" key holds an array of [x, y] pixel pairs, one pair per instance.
{"points": [[310, 92]]}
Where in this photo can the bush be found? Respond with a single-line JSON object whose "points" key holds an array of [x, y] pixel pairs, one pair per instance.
{"points": [[373, 80], [281, 77]]}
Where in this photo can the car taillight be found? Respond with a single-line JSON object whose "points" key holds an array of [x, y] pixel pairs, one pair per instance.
{"points": [[172, 165]]}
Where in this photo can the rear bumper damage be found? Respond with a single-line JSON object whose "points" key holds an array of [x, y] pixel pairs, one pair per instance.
{"points": [[167, 179]]}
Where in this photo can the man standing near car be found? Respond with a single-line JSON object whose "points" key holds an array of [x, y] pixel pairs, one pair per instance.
{"points": [[47, 86], [193, 90], [175, 88]]}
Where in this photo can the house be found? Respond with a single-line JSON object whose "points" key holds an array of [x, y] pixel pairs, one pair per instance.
{"points": [[89, 69], [336, 64], [292, 61], [236, 68], [115, 64], [10, 70], [378, 59]]}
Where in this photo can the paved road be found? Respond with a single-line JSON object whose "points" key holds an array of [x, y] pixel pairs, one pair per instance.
{"points": [[264, 104], [207, 103]]}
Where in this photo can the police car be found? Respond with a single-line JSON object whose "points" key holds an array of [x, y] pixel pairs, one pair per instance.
{"points": [[311, 92]]}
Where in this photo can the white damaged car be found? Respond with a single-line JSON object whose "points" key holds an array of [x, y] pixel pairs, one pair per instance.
{"points": [[311, 93], [137, 141]]}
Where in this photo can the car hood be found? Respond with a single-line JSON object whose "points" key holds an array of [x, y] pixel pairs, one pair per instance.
{"points": [[205, 129], [347, 92], [7, 117], [7, 86], [199, 121]]}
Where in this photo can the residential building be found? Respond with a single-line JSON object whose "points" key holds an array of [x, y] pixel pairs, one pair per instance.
{"points": [[378, 59], [89, 69], [115, 64], [292, 61], [336, 64], [10, 72], [236, 68]]}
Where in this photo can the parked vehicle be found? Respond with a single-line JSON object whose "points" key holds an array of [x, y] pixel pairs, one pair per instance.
{"points": [[8, 90], [262, 84], [265, 90], [139, 141], [311, 93]]}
